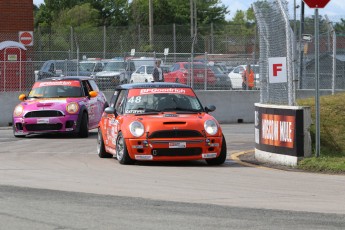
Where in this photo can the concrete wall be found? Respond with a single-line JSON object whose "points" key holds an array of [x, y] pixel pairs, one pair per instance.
{"points": [[233, 106]]}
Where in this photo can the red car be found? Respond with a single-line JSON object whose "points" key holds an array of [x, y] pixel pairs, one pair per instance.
{"points": [[180, 72], [159, 122]]}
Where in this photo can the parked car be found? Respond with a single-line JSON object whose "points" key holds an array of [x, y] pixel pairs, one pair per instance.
{"points": [[92, 65], [223, 81], [142, 74], [60, 68], [236, 76], [59, 105], [180, 72], [159, 122], [115, 72]]}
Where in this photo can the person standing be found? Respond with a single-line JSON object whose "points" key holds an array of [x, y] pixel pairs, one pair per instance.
{"points": [[158, 72], [248, 78]]}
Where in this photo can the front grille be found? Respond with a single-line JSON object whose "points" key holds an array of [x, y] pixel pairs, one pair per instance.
{"points": [[177, 152], [44, 113], [43, 127], [176, 133]]}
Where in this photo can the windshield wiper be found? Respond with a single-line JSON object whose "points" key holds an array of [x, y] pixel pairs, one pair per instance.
{"points": [[182, 110]]}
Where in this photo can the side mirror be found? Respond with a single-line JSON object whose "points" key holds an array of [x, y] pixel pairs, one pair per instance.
{"points": [[110, 110], [210, 108], [93, 94], [22, 97]]}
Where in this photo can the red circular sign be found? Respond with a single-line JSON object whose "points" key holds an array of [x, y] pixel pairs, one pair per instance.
{"points": [[316, 3], [25, 38]]}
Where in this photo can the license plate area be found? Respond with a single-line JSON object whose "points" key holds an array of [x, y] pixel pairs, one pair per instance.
{"points": [[177, 145]]}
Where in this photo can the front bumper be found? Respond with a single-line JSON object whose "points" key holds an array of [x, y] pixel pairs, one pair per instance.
{"points": [[174, 150], [25, 126]]}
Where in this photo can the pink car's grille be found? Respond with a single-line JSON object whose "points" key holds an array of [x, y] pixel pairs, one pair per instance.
{"points": [[43, 127], [44, 113]]}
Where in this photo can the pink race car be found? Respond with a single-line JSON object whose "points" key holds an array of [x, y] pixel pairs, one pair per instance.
{"points": [[59, 105]]}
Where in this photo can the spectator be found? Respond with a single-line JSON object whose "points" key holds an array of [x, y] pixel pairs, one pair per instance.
{"points": [[158, 72], [248, 78]]}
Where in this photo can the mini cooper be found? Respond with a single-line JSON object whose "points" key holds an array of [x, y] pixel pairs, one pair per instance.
{"points": [[59, 105], [159, 122]]}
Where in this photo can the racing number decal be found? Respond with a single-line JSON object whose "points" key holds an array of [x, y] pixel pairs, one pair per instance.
{"points": [[134, 99]]}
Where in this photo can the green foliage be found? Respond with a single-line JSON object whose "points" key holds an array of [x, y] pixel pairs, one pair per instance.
{"points": [[332, 134], [83, 16]]}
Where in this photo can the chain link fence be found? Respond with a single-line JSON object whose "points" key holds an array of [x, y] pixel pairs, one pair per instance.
{"points": [[63, 51], [223, 46]]}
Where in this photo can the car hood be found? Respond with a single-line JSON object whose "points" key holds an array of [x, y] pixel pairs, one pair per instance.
{"points": [[171, 121], [108, 73]]}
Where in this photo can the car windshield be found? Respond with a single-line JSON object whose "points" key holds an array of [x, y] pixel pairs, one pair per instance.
{"points": [[115, 66], [87, 66], [56, 89], [216, 70], [160, 102]]}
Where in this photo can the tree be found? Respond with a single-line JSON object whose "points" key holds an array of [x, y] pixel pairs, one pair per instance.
{"points": [[78, 16]]}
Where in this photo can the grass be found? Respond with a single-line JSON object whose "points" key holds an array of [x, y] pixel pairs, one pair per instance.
{"points": [[332, 135]]}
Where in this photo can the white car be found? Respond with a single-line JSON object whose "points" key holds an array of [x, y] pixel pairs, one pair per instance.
{"points": [[236, 76], [143, 74]]}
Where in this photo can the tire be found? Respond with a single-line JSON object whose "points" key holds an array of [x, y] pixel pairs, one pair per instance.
{"points": [[100, 146], [84, 126], [122, 152], [222, 156]]}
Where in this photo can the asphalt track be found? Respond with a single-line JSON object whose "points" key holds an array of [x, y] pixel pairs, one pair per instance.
{"points": [[58, 182]]}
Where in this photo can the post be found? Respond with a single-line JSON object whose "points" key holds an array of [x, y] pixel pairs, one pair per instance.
{"points": [[151, 22], [317, 96]]}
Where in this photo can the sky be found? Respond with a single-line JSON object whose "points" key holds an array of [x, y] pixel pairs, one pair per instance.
{"points": [[334, 9]]}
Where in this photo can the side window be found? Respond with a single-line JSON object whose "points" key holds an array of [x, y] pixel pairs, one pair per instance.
{"points": [[94, 85], [113, 98], [141, 69], [86, 87], [119, 103]]}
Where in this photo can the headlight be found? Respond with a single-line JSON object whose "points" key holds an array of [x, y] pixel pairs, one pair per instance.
{"points": [[72, 107], [211, 127], [136, 128], [18, 110]]}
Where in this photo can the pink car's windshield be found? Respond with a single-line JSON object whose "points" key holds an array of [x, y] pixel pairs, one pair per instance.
{"points": [[55, 89]]}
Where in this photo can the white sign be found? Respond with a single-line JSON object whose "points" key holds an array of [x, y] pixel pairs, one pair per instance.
{"points": [[166, 51], [132, 52], [277, 70]]}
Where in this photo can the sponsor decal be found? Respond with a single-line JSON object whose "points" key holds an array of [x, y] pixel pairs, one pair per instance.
{"points": [[209, 155], [278, 130], [138, 92], [55, 83], [134, 111], [137, 146], [143, 157]]}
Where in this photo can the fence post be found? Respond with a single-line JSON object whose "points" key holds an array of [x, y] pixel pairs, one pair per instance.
{"points": [[174, 37], [104, 40]]}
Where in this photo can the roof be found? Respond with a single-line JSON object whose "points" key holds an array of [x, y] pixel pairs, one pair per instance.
{"points": [[7, 44], [66, 78], [152, 85]]}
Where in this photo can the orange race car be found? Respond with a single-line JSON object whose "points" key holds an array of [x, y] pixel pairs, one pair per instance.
{"points": [[159, 122]]}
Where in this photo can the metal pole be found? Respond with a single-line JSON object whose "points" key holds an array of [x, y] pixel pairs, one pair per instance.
{"points": [[300, 78], [317, 96], [191, 19], [174, 36], [334, 61], [151, 22], [294, 52], [104, 40]]}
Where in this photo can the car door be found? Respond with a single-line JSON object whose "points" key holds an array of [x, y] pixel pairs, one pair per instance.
{"points": [[113, 120], [236, 77], [91, 105]]}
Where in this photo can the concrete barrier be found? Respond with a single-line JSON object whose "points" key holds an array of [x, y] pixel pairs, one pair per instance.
{"points": [[233, 106]]}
